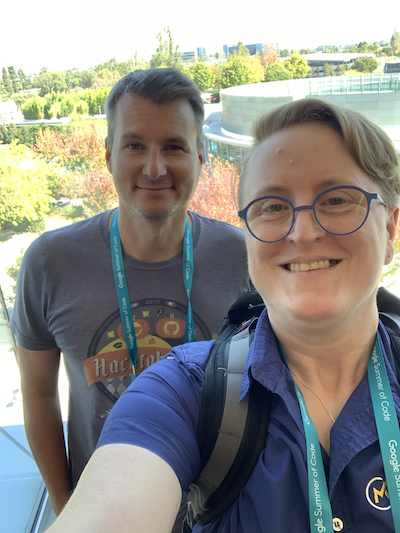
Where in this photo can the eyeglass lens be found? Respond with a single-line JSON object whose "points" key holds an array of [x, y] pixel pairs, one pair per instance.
{"points": [[338, 211]]}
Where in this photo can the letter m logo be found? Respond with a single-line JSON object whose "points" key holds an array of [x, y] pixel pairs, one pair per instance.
{"points": [[380, 493]]}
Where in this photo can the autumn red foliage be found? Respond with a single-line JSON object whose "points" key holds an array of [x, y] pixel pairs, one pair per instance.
{"points": [[80, 149], [216, 192], [97, 191]]}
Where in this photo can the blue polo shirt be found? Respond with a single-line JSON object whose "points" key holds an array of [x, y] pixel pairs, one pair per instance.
{"points": [[160, 412]]}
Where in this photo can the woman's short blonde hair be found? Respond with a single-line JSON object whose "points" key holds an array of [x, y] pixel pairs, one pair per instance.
{"points": [[370, 147]]}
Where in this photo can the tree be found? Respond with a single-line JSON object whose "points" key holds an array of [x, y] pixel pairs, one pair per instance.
{"points": [[8, 88], [49, 82], [105, 78], [17, 85], [395, 42], [23, 185], [114, 66], [284, 53], [167, 53], [297, 65], [25, 81], [365, 64], [277, 72], [139, 64], [255, 69], [234, 72], [387, 51], [268, 55], [242, 50], [202, 75], [217, 71], [329, 70], [216, 192], [34, 109]]}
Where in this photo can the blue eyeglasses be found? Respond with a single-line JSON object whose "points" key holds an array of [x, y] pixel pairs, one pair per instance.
{"points": [[338, 210]]}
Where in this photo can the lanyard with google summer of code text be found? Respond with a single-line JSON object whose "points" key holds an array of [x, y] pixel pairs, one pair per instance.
{"points": [[389, 439], [124, 303]]}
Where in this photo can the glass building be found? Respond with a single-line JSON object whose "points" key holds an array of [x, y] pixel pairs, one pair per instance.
{"points": [[227, 132]]}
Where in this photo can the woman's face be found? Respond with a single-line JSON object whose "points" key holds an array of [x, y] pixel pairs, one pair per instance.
{"points": [[298, 163]]}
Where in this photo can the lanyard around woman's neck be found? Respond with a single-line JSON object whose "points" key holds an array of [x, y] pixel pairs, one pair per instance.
{"points": [[320, 510], [124, 303]]}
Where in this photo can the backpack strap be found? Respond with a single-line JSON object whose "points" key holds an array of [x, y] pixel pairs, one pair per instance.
{"points": [[231, 434]]}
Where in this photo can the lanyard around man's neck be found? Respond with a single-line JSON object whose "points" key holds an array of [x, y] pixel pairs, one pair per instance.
{"points": [[121, 287], [320, 510]]}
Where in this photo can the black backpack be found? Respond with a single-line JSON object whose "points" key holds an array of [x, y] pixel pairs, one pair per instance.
{"points": [[232, 434]]}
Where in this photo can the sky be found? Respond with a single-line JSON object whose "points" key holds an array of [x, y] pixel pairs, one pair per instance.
{"points": [[82, 33]]}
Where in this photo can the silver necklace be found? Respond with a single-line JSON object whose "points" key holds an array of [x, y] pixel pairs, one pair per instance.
{"points": [[316, 393]]}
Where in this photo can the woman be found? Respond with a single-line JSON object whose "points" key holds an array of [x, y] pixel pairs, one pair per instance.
{"points": [[319, 195]]}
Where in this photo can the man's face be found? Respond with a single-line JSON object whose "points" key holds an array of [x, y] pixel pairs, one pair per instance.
{"points": [[154, 156]]}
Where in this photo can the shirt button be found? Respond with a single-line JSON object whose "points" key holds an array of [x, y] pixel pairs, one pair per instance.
{"points": [[337, 524]]}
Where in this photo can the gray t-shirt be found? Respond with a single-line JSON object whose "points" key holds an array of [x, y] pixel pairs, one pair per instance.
{"points": [[66, 297]]}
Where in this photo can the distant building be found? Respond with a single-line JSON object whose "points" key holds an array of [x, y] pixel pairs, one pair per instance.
{"points": [[317, 61], [9, 113], [201, 51], [252, 48], [392, 67], [185, 56]]}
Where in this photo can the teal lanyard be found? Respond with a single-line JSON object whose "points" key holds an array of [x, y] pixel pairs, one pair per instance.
{"points": [[389, 438], [387, 426], [121, 286], [187, 271]]}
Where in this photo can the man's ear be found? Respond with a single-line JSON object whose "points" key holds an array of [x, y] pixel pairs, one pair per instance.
{"points": [[201, 157], [108, 154], [391, 226]]}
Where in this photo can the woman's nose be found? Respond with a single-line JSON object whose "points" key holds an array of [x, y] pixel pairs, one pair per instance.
{"points": [[305, 228]]}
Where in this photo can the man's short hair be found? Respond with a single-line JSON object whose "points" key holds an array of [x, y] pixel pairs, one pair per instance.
{"points": [[368, 144], [160, 86]]}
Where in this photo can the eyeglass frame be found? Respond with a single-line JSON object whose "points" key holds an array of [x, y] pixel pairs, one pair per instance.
{"points": [[369, 196]]}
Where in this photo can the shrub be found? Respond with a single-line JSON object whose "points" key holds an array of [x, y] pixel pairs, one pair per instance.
{"points": [[216, 192], [23, 183], [34, 109]]}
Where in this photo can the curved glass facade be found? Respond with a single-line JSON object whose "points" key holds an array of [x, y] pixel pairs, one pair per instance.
{"points": [[377, 96]]}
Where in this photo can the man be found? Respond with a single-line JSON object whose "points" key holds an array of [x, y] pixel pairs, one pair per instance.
{"points": [[70, 295]]}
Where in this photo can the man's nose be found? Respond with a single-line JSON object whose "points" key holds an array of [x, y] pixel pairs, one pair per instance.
{"points": [[305, 228], [154, 165]]}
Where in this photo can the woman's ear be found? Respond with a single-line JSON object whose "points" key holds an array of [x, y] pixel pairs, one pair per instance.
{"points": [[391, 226]]}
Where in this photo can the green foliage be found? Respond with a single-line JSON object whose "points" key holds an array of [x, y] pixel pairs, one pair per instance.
{"points": [[7, 84], [113, 66], [167, 53], [277, 72], [284, 53], [34, 109], [25, 135], [329, 70], [234, 72], [49, 82], [365, 65], [395, 42], [23, 185], [13, 272], [106, 79], [242, 50], [255, 69], [202, 75], [25, 81], [297, 65], [387, 50]]}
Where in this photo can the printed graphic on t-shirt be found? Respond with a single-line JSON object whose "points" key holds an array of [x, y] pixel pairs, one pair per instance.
{"points": [[159, 325]]}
